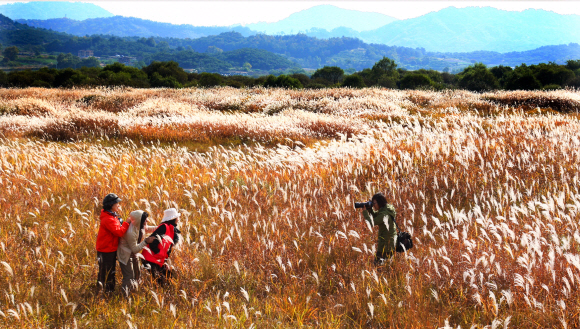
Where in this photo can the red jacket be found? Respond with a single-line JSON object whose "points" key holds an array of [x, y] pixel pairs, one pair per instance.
{"points": [[110, 231], [166, 241]]}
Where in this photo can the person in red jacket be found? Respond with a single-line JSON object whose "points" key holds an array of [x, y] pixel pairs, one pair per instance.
{"points": [[157, 252], [111, 230]]}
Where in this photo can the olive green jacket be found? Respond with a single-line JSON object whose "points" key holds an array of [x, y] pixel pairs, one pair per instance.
{"points": [[387, 231]]}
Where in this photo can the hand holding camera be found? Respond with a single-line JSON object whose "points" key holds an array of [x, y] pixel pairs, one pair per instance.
{"points": [[367, 205]]}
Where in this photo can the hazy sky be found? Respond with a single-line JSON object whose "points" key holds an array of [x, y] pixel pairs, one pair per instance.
{"points": [[208, 13]]}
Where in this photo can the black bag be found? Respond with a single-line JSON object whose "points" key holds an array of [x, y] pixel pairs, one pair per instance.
{"points": [[403, 239]]}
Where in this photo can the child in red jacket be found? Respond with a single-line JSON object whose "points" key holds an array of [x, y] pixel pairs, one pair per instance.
{"points": [[111, 230]]}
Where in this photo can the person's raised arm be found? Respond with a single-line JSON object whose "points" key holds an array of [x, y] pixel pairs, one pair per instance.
{"points": [[112, 225], [135, 248], [149, 228], [366, 215]]}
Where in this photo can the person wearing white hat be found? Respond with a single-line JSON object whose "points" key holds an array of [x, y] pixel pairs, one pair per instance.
{"points": [[157, 252]]}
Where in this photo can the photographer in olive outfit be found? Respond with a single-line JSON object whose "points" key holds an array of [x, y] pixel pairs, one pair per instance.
{"points": [[382, 214]]}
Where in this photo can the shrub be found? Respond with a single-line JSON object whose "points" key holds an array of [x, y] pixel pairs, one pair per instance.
{"points": [[387, 82], [552, 87], [415, 80], [353, 81], [282, 81], [210, 79], [478, 78]]}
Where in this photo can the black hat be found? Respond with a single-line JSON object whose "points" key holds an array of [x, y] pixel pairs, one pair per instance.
{"points": [[110, 200]]}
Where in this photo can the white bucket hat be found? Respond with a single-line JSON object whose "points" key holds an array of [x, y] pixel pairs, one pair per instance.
{"points": [[170, 214]]}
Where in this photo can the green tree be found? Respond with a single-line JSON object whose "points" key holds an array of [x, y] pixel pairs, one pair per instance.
{"points": [[333, 74], [63, 78], [90, 62], [67, 60], [477, 77], [500, 71], [415, 80], [448, 78], [574, 82], [303, 78], [151, 42], [37, 50], [214, 50], [118, 74], [165, 70], [159, 81], [387, 81], [353, 81], [385, 68], [247, 66], [3, 79], [210, 79], [21, 79], [552, 74], [573, 64], [282, 81], [11, 53], [522, 78]]}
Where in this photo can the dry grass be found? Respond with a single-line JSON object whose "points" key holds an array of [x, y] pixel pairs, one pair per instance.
{"points": [[489, 192]]}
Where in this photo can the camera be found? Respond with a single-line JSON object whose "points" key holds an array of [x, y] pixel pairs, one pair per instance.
{"points": [[367, 204]]}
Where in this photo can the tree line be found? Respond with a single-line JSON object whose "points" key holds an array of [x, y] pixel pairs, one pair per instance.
{"points": [[384, 73]]}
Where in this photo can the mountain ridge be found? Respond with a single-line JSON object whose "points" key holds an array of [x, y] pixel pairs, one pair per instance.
{"points": [[479, 28], [308, 52], [324, 17], [131, 26], [447, 30], [52, 9]]}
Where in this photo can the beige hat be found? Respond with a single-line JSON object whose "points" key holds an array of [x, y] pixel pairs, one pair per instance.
{"points": [[170, 214], [136, 215]]}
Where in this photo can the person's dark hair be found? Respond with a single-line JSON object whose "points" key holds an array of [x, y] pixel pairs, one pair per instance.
{"points": [[143, 220], [380, 199], [173, 222]]}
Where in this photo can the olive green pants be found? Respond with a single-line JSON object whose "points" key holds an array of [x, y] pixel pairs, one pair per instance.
{"points": [[131, 274], [384, 254]]}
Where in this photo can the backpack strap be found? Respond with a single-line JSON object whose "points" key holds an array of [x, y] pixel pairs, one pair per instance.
{"points": [[397, 226], [393, 214]]}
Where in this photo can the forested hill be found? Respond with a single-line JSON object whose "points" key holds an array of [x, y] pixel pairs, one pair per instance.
{"points": [[448, 30], [145, 50], [268, 52], [353, 53], [8, 24], [131, 27], [221, 62], [16, 34]]}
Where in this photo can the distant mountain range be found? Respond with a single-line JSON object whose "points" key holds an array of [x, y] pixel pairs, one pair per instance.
{"points": [[325, 17], [353, 53], [475, 28], [52, 9], [215, 48], [448, 30], [131, 27]]}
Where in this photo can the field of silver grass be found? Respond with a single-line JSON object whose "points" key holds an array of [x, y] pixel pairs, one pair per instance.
{"points": [[486, 183]]}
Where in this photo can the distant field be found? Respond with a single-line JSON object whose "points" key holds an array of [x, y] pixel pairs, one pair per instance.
{"points": [[487, 184]]}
